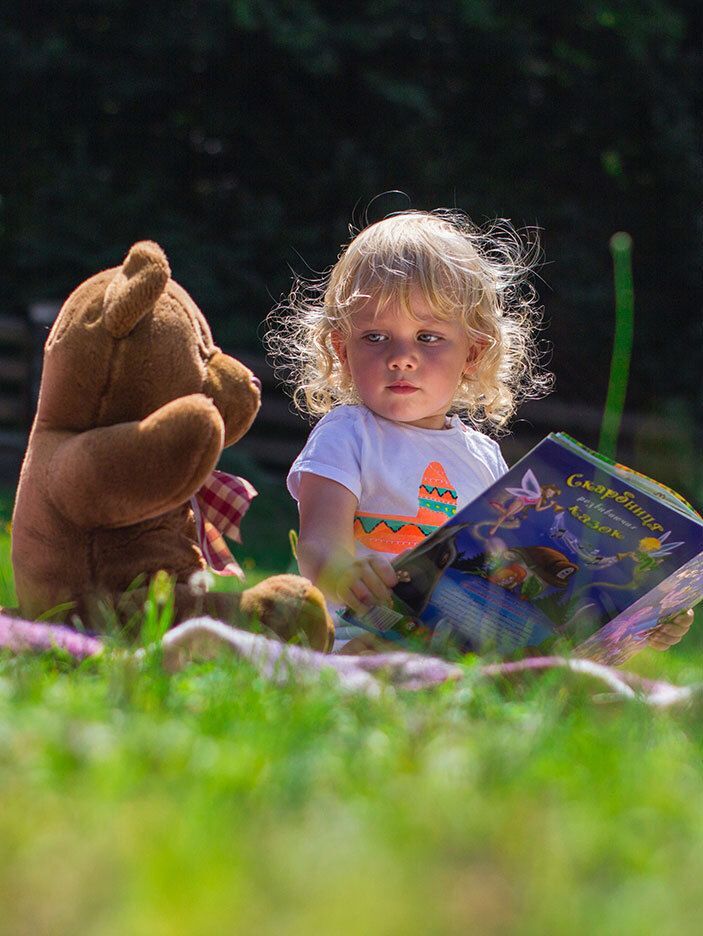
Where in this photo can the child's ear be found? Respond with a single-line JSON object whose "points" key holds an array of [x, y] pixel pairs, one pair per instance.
{"points": [[474, 355], [340, 346]]}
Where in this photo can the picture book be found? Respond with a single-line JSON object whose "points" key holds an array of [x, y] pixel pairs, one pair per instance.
{"points": [[566, 549]]}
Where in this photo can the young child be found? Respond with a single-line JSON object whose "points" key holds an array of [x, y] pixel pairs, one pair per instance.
{"points": [[422, 318]]}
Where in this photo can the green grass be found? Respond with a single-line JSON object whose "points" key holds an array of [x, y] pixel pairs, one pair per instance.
{"points": [[7, 591], [212, 802]]}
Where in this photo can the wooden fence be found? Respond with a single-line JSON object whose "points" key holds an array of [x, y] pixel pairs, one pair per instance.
{"points": [[661, 446], [16, 403], [14, 371]]}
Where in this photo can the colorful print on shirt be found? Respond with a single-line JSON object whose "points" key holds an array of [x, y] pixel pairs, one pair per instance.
{"points": [[437, 500]]}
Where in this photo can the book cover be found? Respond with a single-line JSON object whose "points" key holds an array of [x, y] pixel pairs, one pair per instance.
{"points": [[566, 548]]}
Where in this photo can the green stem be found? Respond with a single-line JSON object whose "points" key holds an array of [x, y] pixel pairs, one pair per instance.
{"points": [[621, 250]]}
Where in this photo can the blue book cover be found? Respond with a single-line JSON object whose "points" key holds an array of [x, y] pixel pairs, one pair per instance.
{"points": [[567, 548]]}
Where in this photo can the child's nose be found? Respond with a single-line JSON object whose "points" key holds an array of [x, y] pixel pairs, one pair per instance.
{"points": [[402, 356]]}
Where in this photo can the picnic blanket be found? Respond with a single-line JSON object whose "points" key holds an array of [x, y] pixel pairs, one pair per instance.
{"points": [[204, 638]]}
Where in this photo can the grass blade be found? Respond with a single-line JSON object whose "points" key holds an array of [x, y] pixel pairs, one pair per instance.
{"points": [[621, 251]]}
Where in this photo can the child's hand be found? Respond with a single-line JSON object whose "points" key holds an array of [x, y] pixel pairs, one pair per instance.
{"points": [[369, 645], [670, 630], [366, 582]]}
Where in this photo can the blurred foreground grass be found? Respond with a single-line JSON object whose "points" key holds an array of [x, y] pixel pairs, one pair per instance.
{"points": [[214, 802]]}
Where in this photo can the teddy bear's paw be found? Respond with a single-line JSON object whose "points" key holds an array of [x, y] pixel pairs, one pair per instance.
{"points": [[291, 607]]}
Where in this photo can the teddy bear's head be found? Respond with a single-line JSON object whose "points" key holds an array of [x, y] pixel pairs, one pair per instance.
{"points": [[129, 340]]}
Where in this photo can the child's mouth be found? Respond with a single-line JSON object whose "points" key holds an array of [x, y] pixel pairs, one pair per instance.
{"points": [[402, 388]]}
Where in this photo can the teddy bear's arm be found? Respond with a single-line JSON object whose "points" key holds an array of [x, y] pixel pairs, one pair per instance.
{"points": [[119, 475]]}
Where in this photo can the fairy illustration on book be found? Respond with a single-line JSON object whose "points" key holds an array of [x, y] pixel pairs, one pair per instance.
{"points": [[652, 550], [530, 494]]}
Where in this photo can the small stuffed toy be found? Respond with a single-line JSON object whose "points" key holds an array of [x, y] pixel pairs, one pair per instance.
{"points": [[135, 406]]}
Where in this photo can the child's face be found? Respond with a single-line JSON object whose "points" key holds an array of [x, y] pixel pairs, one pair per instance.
{"points": [[405, 368]]}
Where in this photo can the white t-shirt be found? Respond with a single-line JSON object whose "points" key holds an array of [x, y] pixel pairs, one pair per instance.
{"points": [[407, 480]]}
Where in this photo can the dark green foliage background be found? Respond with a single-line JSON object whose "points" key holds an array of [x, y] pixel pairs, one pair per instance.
{"points": [[245, 136]]}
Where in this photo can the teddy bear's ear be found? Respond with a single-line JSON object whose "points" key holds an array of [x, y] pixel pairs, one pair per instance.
{"points": [[135, 288]]}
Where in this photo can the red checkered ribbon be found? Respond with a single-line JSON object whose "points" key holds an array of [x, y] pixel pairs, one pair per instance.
{"points": [[218, 507]]}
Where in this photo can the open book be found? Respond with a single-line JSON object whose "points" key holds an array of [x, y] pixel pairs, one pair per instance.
{"points": [[568, 548]]}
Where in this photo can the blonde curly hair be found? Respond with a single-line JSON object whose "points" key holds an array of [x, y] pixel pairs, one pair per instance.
{"points": [[478, 276]]}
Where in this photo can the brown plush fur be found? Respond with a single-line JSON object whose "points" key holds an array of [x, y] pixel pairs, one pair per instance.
{"points": [[136, 404]]}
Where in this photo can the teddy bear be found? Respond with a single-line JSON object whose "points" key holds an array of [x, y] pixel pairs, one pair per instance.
{"points": [[135, 406]]}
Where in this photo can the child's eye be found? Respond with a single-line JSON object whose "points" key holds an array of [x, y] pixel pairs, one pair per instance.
{"points": [[428, 338], [374, 337]]}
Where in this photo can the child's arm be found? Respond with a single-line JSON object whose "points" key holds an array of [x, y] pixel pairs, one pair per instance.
{"points": [[326, 547]]}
